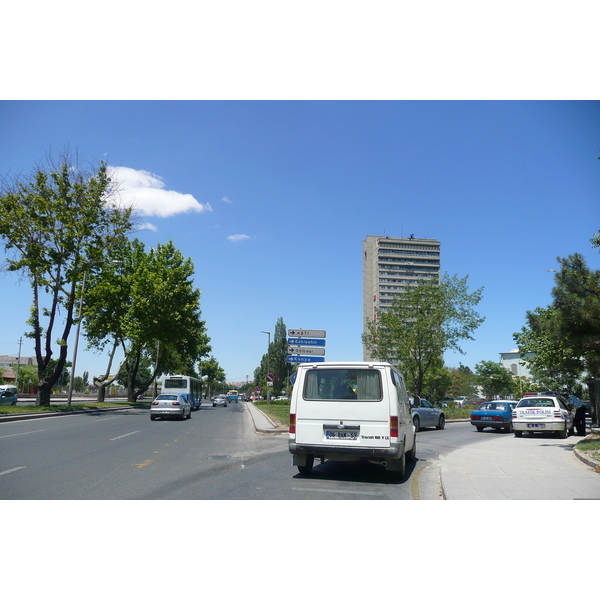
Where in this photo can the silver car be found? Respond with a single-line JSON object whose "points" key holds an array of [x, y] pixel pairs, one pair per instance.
{"points": [[424, 414], [219, 400], [171, 405]]}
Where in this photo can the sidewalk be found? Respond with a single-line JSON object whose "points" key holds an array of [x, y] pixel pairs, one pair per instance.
{"points": [[263, 422], [528, 468]]}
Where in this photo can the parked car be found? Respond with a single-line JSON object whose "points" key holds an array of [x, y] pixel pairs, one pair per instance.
{"points": [[424, 414], [171, 405], [496, 414], [588, 407], [8, 398], [460, 400], [219, 400], [543, 414]]}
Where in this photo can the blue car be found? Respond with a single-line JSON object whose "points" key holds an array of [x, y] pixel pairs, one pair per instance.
{"points": [[496, 414]]}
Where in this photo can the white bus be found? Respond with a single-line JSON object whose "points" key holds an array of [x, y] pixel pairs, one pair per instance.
{"points": [[183, 384]]}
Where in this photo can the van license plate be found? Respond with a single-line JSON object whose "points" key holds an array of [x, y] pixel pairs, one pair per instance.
{"points": [[342, 434]]}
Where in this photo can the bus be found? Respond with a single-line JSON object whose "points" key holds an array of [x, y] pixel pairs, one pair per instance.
{"points": [[232, 396], [183, 384]]}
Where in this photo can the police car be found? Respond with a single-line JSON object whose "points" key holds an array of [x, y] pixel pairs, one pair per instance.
{"points": [[542, 414]]}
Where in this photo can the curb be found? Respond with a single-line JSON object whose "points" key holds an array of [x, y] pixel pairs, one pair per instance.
{"points": [[43, 415], [274, 429]]}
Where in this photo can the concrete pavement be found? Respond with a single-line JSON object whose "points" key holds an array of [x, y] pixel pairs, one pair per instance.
{"points": [[538, 467]]}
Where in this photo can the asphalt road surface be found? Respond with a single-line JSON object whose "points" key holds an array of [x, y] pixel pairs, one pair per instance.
{"points": [[215, 455]]}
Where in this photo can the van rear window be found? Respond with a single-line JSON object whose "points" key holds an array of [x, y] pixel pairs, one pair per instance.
{"points": [[361, 385]]}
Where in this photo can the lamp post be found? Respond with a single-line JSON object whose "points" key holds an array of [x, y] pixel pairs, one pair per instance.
{"points": [[268, 370], [72, 378]]}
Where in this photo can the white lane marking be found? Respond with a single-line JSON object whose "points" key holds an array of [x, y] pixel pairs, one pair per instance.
{"points": [[11, 470], [122, 436], [24, 433]]}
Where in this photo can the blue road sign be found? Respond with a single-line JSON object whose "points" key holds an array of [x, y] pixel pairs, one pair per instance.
{"points": [[305, 359], [305, 342]]}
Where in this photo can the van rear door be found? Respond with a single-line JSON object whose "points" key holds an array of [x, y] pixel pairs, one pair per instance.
{"points": [[342, 406]]}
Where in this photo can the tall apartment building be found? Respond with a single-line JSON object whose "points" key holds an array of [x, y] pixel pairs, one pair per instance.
{"points": [[389, 265]]}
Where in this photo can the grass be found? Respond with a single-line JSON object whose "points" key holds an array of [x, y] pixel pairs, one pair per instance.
{"points": [[279, 411], [62, 408], [591, 446]]}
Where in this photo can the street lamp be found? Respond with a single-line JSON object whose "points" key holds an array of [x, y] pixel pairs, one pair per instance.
{"points": [[72, 378], [268, 370]]}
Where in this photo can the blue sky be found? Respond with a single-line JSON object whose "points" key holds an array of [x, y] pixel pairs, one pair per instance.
{"points": [[279, 196]]}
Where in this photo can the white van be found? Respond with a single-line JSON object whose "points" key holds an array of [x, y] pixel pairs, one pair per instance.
{"points": [[350, 411], [9, 388]]}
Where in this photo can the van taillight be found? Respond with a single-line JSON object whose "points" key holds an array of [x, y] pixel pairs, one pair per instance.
{"points": [[394, 427], [292, 423]]}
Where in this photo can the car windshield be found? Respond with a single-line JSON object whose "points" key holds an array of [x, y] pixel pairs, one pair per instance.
{"points": [[492, 406], [343, 384]]}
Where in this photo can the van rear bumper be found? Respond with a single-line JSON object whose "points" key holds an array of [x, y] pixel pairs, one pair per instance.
{"points": [[393, 451]]}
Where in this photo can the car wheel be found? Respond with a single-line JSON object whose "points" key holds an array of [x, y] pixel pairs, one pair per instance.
{"points": [[509, 428], [441, 423], [399, 471], [564, 433], [479, 427], [417, 423], [307, 468], [518, 433], [153, 417]]}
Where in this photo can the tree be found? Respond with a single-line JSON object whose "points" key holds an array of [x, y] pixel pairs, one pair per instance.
{"points": [[213, 372], [577, 302], [275, 360], [494, 379], [553, 364], [54, 224], [421, 324], [148, 305]]}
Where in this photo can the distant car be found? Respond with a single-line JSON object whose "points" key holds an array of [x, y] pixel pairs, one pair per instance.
{"points": [[543, 414], [7, 398], [219, 401], [425, 414], [171, 405], [496, 414], [588, 407], [460, 400]]}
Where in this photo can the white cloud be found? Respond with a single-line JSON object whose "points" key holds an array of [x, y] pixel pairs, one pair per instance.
{"points": [[238, 237], [148, 226], [226, 200], [146, 192]]}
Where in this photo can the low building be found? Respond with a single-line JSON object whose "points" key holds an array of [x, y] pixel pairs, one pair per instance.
{"points": [[513, 362]]}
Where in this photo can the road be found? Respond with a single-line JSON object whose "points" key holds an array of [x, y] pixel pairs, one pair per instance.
{"points": [[215, 455]]}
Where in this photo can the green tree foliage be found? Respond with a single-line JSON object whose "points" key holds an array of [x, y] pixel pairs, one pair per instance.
{"points": [[421, 324], [565, 336], [276, 361], [53, 225], [147, 303], [212, 374], [553, 364], [494, 379]]}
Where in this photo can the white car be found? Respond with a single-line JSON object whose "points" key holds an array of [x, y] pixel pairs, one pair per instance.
{"points": [[171, 405], [542, 414]]}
